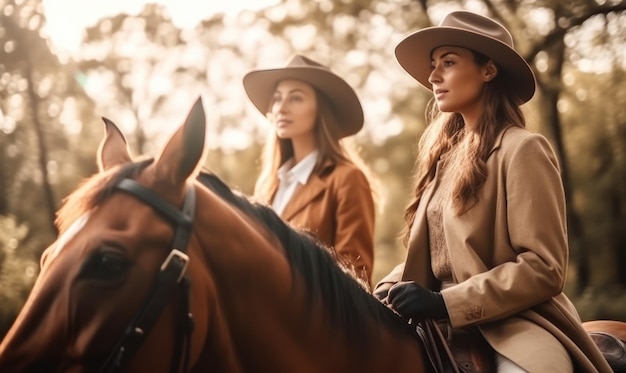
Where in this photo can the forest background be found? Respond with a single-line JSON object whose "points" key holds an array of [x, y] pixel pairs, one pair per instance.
{"points": [[143, 71]]}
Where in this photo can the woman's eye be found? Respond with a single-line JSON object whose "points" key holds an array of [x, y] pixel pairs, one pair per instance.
{"points": [[106, 265]]}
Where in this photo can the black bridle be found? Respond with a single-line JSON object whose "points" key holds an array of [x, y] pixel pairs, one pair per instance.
{"points": [[171, 275]]}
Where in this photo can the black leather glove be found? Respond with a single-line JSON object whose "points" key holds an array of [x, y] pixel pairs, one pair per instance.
{"points": [[381, 292], [415, 302]]}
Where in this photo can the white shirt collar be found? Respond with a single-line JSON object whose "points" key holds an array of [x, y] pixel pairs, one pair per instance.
{"points": [[299, 172]]}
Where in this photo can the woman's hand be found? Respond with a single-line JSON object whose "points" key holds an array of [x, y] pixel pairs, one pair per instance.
{"points": [[382, 290], [415, 302]]}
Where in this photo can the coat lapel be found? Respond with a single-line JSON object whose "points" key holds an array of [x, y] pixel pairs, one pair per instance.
{"points": [[418, 257], [303, 196], [498, 142]]}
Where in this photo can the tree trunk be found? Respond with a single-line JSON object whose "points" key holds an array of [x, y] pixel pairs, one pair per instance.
{"points": [[551, 92], [48, 194], [4, 203]]}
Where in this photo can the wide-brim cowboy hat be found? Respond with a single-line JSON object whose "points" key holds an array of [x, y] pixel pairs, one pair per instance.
{"points": [[346, 107], [472, 31]]}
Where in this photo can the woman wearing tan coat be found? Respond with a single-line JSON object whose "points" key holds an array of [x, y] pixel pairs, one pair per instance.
{"points": [[308, 175], [487, 237]]}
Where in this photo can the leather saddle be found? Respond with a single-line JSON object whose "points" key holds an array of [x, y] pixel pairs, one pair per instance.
{"points": [[613, 349], [476, 359]]}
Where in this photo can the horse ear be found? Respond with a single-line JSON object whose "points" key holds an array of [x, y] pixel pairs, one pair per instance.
{"points": [[113, 148], [181, 156]]}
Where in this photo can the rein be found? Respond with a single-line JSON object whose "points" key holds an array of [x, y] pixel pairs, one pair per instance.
{"points": [[172, 274]]}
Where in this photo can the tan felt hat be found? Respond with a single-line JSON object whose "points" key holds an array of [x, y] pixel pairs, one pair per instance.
{"points": [[346, 107], [472, 31]]}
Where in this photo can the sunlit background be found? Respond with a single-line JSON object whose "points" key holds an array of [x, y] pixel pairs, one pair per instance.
{"points": [[66, 20], [64, 64]]}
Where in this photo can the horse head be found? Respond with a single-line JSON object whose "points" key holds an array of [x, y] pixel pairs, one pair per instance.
{"points": [[96, 276], [151, 247]]}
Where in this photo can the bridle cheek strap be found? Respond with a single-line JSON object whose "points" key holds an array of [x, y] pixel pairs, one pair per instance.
{"points": [[171, 274]]}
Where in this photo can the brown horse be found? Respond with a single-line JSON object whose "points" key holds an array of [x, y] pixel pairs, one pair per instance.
{"points": [[112, 294], [159, 270]]}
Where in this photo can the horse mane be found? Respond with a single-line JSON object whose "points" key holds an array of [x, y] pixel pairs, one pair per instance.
{"points": [[324, 276]]}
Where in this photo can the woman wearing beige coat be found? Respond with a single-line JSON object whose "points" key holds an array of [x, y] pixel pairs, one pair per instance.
{"points": [[311, 179], [487, 238]]}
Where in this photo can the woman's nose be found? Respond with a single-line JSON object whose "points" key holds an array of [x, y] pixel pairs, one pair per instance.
{"points": [[434, 76], [279, 106]]}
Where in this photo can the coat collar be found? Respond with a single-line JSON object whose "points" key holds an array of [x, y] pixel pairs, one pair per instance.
{"points": [[498, 142]]}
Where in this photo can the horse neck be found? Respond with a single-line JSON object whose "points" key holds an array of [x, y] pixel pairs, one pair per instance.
{"points": [[261, 319]]}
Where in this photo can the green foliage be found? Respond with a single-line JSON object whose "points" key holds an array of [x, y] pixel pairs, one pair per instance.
{"points": [[595, 134], [41, 105], [18, 270]]}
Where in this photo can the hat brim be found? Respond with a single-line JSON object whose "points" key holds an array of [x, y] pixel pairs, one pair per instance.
{"points": [[346, 107], [414, 55]]}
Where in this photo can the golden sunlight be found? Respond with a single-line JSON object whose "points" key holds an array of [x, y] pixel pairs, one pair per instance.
{"points": [[66, 19]]}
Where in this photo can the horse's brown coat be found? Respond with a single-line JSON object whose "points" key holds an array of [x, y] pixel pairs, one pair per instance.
{"points": [[252, 310]]}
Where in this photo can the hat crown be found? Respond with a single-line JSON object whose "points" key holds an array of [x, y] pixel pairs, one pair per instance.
{"points": [[478, 24], [298, 60]]}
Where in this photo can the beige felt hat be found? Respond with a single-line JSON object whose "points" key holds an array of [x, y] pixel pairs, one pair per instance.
{"points": [[346, 107], [472, 31]]}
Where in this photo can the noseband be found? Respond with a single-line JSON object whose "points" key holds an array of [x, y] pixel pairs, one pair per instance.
{"points": [[170, 276]]}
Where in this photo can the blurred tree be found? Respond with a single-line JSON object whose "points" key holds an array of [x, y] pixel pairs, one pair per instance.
{"points": [[131, 64], [550, 53], [595, 133], [17, 273], [40, 104], [22, 47]]}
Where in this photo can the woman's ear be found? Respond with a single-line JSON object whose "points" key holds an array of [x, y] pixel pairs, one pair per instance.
{"points": [[490, 71]]}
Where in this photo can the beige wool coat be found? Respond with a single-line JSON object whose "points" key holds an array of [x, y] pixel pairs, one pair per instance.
{"points": [[337, 207], [509, 257]]}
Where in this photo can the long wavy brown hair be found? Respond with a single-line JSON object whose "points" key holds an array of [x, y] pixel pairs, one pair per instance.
{"points": [[465, 152]]}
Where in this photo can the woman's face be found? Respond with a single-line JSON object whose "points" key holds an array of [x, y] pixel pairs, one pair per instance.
{"points": [[457, 80], [294, 109]]}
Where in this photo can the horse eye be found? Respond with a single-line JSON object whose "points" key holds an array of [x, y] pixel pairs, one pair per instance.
{"points": [[106, 265]]}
